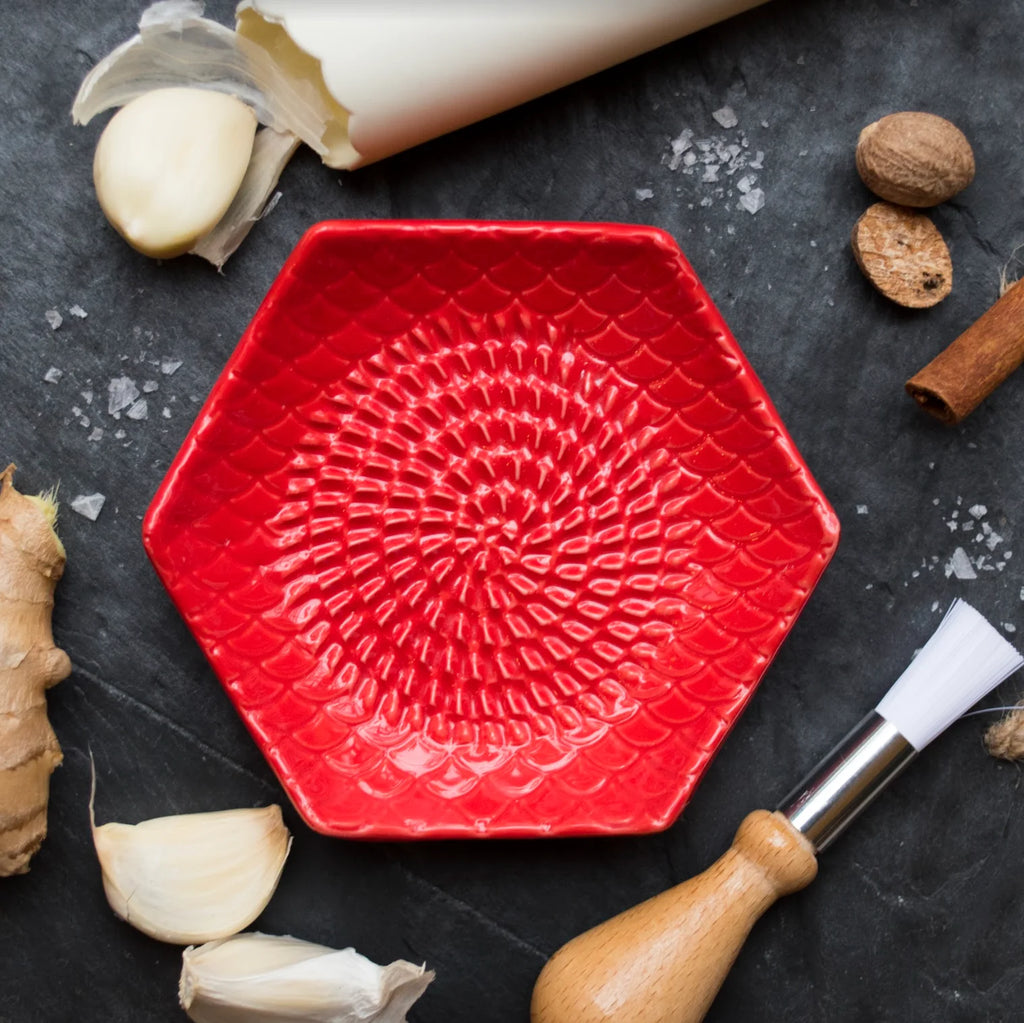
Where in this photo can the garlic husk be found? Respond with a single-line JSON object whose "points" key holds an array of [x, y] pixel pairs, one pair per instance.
{"points": [[176, 46], [195, 877], [271, 152], [272, 979]]}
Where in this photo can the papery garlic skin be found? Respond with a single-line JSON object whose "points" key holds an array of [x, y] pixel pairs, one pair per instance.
{"points": [[169, 164], [193, 877], [260, 977]]}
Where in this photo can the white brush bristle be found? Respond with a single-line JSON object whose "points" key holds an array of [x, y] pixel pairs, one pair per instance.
{"points": [[964, 660]]}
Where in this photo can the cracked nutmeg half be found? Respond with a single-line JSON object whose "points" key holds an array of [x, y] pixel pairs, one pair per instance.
{"points": [[903, 254]]}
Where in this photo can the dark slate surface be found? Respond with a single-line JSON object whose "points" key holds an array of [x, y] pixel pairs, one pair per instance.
{"points": [[915, 914]]}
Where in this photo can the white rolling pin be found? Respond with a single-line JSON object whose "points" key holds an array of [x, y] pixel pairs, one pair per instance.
{"points": [[406, 72]]}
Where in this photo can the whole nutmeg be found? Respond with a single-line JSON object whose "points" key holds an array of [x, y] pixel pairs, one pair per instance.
{"points": [[914, 159]]}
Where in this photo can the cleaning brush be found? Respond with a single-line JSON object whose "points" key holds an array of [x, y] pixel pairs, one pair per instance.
{"points": [[664, 960]]}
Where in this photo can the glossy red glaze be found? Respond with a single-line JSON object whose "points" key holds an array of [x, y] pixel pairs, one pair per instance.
{"points": [[488, 529]]}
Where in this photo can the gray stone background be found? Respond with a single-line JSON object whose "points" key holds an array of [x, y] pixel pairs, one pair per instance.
{"points": [[915, 915]]}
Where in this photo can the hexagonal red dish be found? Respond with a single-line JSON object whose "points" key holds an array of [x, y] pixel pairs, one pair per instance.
{"points": [[488, 529]]}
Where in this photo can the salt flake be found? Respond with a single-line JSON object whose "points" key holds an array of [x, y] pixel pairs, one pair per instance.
{"points": [[753, 200], [77, 310], [53, 318], [726, 117], [138, 410], [53, 375], [979, 511], [88, 505], [644, 193], [960, 565], [121, 393], [169, 366]]}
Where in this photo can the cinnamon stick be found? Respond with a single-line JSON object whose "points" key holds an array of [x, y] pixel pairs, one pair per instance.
{"points": [[960, 378]]}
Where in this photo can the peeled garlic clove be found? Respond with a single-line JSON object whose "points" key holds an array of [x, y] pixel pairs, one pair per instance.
{"points": [[259, 977], [193, 877], [168, 165]]}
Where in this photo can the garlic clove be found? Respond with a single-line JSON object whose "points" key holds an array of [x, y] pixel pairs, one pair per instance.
{"points": [[193, 877], [260, 977], [168, 165]]}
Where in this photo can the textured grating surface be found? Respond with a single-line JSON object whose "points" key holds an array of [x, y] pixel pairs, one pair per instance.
{"points": [[488, 529]]}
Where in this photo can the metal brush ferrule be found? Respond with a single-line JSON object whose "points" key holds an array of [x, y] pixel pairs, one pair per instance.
{"points": [[846, 780]]}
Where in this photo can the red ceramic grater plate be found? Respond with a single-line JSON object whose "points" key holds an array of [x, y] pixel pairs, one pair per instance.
{"points": [[488, 529]]}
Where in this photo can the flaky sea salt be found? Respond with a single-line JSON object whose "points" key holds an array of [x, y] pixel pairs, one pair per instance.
{"points": [[753, 200], [726, 117], [121, 392], [53, 375], [138, 409], [77, 310], [150, 386], [644, 193], [53, 318], [169, 366], [88, 505], [959, 565]]}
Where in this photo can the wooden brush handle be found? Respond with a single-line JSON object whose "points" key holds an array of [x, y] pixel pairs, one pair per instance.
{"points": [[664, 960]]}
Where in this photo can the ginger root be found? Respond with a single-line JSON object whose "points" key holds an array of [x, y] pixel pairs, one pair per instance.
{"points": [[31, 561]]}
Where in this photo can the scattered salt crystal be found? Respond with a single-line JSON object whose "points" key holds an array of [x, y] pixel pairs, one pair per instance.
{"points": [[753, 200], [644, 193], [689, 159], [53, 375], [87, 395], [710, 172], [53, 318], [746, 183], [77, 310], [960, 565], [169, 366], [1010, 627], [935, 606], [97, 434], [120, 434], [150, 386], [726, 117], [862, 509], [979, 511], [85, 422], [138, 410], [166, 413], [88, 505], [758, 162], [121, 392]]}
